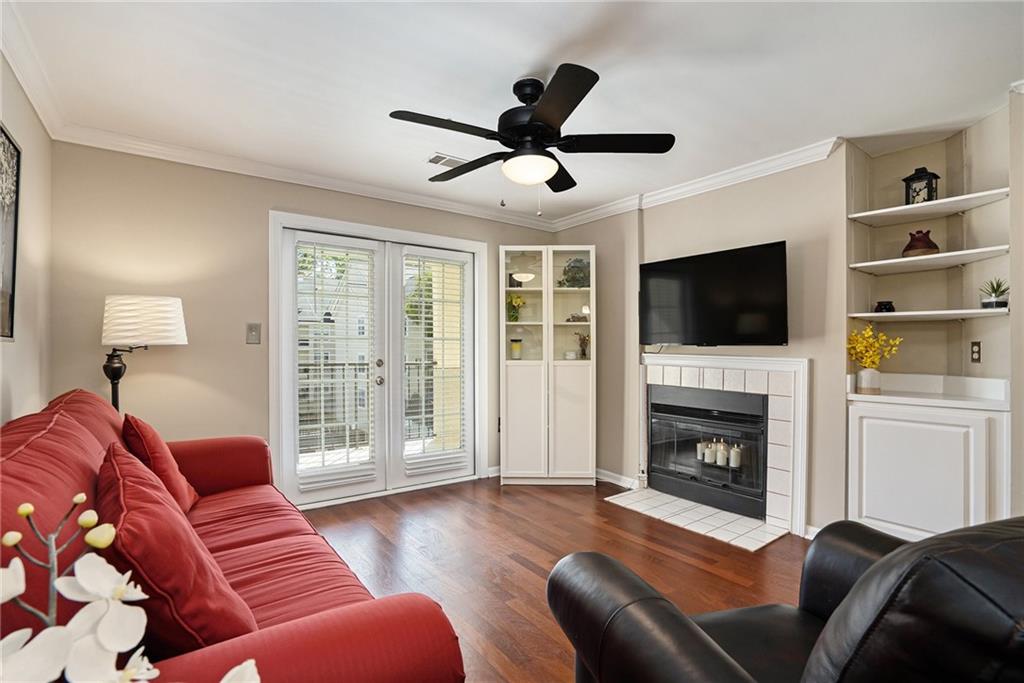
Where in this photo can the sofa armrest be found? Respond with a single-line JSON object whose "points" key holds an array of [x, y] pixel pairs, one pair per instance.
{"points": [[221, 464], [625, 630], [838, 556], [396, 639]]}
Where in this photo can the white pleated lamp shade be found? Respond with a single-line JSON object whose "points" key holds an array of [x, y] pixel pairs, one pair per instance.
{"points": [[131, 320]]}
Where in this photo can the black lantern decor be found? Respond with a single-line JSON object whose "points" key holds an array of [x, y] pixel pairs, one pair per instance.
{"points": [[921, 186]]}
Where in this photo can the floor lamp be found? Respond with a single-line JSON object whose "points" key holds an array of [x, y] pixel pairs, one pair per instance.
{"points": [[133, 322]]}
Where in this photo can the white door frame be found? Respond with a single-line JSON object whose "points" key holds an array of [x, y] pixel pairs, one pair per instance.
{"points": [[279, 221]]}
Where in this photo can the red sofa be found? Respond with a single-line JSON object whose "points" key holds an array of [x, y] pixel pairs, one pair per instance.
{"points": [[316, 621]]}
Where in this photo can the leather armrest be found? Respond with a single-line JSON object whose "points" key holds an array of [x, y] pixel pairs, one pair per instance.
{"points": [[624, 630], [838, 556], [222, 464], [397, 639]]}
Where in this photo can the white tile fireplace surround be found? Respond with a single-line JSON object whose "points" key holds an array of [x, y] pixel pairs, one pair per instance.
{"points": [[785, 381]]}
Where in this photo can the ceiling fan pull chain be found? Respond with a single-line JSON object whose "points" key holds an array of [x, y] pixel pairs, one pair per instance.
{"points": [[539, 212]]}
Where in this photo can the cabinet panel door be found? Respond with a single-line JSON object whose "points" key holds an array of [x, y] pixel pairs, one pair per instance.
{"points": [[524, 429], [915, 472], [572, 420]]}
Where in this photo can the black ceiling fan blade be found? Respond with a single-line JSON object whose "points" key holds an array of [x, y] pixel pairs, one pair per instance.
{"points": [[561, 181], [563, 94], [469, 166], [618, 143], [447, 124]]}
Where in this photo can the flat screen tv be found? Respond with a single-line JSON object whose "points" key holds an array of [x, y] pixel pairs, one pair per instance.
{"points": [[726, 298]]}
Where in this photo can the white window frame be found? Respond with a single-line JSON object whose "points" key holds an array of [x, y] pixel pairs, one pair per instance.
{"points": [[281, 220]]}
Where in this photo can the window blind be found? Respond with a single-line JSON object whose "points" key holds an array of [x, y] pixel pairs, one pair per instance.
{"points": [[335, 328], [434, 368]]}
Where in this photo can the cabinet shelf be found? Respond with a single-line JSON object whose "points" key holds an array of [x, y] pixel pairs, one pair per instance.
{"points": [[923, 316], [917, 264], [571, 289], [939, 208], [568, 323]]}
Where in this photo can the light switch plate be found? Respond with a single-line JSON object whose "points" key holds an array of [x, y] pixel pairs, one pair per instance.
{"points": [[252, 333], [975, 351]]}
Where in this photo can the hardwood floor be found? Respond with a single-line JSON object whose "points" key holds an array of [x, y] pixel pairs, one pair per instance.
{"points": [[484, 551]]}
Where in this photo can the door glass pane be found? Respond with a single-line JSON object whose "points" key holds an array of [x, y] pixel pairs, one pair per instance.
{"points": [[570, 273], [334, 304], [433, 346], [524, 305]]}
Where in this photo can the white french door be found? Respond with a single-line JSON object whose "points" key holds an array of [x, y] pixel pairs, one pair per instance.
{"points": [[378, 356]]}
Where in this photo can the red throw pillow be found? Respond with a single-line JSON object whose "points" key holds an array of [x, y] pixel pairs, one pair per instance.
{"points": [[190, 603], [146, 444]]}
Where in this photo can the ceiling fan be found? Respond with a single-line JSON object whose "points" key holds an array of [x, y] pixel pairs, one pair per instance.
{"points": [[530, 129]]}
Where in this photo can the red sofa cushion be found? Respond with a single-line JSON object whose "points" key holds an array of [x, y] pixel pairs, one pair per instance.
{"points": [[290, 578], [91, 411], [145, 443], [246, 516], [45, 459], [190, 603]]}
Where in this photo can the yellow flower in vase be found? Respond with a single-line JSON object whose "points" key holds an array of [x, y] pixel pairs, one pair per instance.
{"points": [[868, 349], [513, 302]]}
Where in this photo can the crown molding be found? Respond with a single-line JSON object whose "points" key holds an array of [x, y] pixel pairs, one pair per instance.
{"points": [[17, 47], [756, 169], [92, 137], [1017, 87], [624, 205]]}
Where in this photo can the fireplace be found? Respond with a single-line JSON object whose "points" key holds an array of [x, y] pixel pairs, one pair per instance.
{"points": [[683, 421]]}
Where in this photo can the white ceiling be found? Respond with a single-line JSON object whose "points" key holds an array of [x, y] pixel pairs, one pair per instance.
{"points": [[308, 87]]}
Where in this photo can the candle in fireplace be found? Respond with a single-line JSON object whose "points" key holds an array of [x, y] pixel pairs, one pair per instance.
{"points": [[735, 455], [722, 456]]}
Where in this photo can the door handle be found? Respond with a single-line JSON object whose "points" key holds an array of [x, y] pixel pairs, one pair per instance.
{"points": [[379, 381]]}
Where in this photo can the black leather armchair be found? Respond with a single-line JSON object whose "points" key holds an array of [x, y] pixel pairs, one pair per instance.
{"points": [[872, 608]]}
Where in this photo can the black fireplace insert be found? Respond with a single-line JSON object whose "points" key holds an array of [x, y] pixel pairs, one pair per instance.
{"points": [[709, 446]]}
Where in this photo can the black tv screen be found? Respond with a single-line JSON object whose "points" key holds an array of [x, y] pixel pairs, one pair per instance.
{"points": [[726, 298]]}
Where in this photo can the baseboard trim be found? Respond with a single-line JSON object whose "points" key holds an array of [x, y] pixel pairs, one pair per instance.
{"points": [[491, 472], [616, 478], [811, 531]]}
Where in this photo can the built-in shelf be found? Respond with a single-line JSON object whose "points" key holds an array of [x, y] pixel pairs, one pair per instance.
{"points": [[939, 391], [917, 264], [913, 316], [578, 323], [519, 322], [925, 211], [513, 290], [571, 289]]}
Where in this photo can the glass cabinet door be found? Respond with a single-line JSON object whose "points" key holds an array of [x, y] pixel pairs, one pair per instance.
{"points": [[524, 304], [571, 304]]}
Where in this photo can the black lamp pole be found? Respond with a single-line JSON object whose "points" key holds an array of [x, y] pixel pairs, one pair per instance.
{"points": [[114, 368]]}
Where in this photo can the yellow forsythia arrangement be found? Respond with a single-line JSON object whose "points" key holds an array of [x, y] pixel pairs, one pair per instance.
{"points": [[867, 349]]}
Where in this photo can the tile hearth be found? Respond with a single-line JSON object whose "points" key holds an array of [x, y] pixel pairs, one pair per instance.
{"points": [[745, 532]]}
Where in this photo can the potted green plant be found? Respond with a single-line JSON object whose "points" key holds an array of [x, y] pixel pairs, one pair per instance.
{"points": [[995, 293]]}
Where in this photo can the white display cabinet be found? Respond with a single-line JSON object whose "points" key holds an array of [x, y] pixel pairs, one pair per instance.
{"points": [[548, 370]]}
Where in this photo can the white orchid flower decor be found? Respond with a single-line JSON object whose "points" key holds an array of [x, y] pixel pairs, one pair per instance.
{"points": [[118, 627], [86, 649]]}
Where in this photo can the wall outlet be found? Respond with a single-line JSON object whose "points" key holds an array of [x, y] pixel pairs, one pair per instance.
{"points": [[975, 351], [252, 333]]}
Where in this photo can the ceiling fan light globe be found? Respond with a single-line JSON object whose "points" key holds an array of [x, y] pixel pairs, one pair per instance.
{"points": [[529, 169], [522, 277]]}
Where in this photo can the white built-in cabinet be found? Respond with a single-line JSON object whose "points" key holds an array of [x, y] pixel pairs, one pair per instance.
{"points": [[918, 470], [548, 384]]}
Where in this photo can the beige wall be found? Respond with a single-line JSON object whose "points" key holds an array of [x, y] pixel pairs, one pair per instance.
{"points": [[1016, 178], [126, 224], [617, 242], [24, 362], [805, 206]]}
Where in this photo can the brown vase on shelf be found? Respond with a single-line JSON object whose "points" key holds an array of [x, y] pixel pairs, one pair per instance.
{"points": [[920, 244]]}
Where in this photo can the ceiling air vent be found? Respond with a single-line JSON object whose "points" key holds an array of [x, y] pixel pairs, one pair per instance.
{"points": [[446, 160]]}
